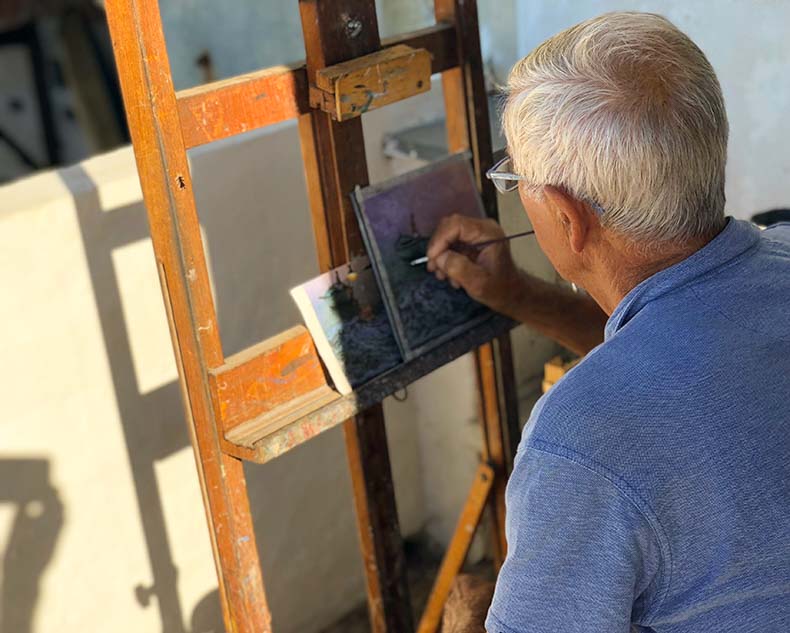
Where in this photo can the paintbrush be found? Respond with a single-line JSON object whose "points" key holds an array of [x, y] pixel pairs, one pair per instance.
{"points": [[475, 247]]}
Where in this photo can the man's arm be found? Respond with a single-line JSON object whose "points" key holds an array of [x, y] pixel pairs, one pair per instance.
{"points": [[575, 321], [492, 278]]}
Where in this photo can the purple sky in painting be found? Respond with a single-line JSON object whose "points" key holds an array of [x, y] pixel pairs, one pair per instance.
{"points": [[430, 196]]}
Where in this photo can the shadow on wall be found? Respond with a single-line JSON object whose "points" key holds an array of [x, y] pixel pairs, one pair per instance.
{"points": [[37, 522], [153, 422], [243, 240]]}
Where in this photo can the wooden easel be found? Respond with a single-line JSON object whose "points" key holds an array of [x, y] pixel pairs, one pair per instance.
{"points": [[273, 396]]}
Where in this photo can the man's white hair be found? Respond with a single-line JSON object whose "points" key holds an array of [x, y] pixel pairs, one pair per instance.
{"points": [[623, 111]]}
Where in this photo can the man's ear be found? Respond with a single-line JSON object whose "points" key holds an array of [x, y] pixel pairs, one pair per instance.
{"points": [[574, 216]]}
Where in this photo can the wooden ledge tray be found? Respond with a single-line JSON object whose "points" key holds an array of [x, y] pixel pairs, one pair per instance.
{"points": [[278, 431]]}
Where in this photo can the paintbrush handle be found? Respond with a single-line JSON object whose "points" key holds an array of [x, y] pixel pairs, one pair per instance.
{"points": [[507, 238], [478, 246]]}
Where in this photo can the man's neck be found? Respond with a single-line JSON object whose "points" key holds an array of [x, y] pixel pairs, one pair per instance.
{"points": [[620, 266]]}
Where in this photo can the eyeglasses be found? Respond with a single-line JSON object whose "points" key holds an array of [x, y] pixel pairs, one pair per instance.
{"points": [[503, 176], [506, 180]]}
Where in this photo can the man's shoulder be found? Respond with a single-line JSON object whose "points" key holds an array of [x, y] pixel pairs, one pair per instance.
{"points": [[748, 297], [778, 233], [593, 403]]}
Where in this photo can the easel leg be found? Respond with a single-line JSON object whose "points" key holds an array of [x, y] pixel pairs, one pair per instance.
{"points": [[144, 71], [494, 450], [377, 521], [457, 549]]}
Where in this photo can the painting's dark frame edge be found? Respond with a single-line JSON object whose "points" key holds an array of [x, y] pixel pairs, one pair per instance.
{"points": [[376, 261]]}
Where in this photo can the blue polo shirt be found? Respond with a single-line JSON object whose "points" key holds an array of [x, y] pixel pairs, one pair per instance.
{"points": [[651, 488]]}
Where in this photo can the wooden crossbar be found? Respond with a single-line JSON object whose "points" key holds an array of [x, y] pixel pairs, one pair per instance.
{"points": [[220, 109]]}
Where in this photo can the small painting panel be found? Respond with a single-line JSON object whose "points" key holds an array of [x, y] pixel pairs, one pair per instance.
{"points": [[345, 314], [397, 220]]}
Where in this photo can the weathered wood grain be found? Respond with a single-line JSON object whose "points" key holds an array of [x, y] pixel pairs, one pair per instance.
{"points": [[265, 377], [224, 108], [152, 113], [220, 109], [250, 431], [351, 88]]}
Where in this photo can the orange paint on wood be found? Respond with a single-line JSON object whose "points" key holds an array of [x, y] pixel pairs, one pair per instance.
{"points": [[247, 102], [220, 109], [265, 376]]}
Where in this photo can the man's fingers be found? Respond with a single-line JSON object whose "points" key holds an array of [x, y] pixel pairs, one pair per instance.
{"points": [[462, 272], [447, 232], [458, 228]]}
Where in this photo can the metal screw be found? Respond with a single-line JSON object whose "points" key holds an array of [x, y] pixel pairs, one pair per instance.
{"points": [[353, 27]]}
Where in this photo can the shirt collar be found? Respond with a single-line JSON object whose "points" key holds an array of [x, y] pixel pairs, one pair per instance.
{"points": [[736, 238]]}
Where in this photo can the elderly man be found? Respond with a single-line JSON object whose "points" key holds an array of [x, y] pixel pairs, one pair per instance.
{"points": [[651, 488]]}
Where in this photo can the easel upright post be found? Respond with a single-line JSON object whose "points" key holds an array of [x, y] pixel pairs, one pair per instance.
{"points": [[151, 110], [335, 162]]}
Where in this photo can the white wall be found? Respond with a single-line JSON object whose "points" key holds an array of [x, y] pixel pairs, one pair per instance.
{"points": [[747, 44]]}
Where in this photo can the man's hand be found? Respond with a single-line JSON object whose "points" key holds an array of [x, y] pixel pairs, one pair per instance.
{"points": [[489, 276]]}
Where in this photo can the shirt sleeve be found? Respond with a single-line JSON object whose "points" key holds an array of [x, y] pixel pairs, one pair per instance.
{"points": [[581, 557]]}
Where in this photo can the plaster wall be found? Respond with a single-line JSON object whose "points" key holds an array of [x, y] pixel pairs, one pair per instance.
{"points": [[747, 44]]}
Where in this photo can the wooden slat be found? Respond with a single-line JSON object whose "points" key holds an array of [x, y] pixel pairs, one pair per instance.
{"points": [[267, 444], [251, 431], [224, 108], [247, 102], [439, 40], [332, 36], [150, 102], [465, 92], [494, 447], [268, 375], [378, 526], [508, 398], [457, 549]]}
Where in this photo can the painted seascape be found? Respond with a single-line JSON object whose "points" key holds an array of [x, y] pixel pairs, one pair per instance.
{"points": [[399, 220]]}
